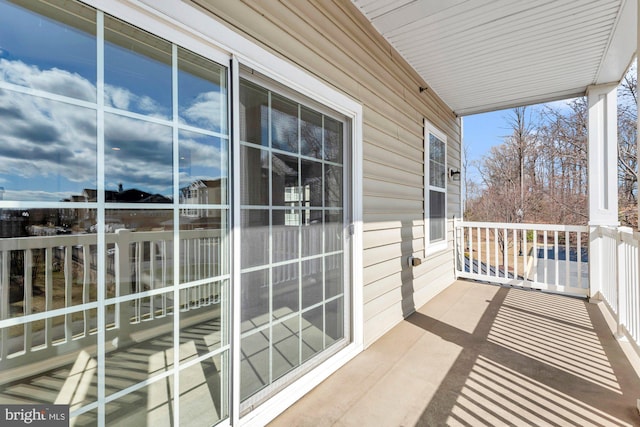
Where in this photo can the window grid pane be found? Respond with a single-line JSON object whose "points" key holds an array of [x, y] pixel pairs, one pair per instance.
{"points": [[138, 259], [302, 188]]}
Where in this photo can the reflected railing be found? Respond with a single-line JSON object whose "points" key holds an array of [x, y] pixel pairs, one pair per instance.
{"points": [[49, 292]]}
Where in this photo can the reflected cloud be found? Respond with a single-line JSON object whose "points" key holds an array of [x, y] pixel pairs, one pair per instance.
{"points": [[48, 148], [206, 111], [52, 80], [124, 99]]}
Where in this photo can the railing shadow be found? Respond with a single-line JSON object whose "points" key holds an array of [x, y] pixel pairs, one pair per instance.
{"points": [[533, 359]]}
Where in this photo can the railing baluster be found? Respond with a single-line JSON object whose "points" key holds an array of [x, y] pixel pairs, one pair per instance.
{"points": [[579, 257], [479, 257], [488, 253], [496, 257], [4, 302], [546, 256], [470, 241], [525, 257], [535, 256], [48, 295], [515, 254], [68, 295], [567, 259], [557, 257], [505, 251], [28, 298], [86, 286], [152, 277]]}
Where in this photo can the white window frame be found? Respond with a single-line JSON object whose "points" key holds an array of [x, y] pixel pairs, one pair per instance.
{"points": [[441, 245]]}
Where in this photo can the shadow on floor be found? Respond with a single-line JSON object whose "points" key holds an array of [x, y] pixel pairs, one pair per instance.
{"points": [[533, 359], [483, 355]]}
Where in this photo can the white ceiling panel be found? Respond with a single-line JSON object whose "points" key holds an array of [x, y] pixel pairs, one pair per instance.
{"points": [[483, 55]]}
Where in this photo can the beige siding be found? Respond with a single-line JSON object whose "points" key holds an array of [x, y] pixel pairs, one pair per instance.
{"points": [[334, 42]]}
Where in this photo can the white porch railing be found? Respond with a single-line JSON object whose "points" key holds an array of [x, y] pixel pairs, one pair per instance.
{"points": [[48, 288], [541, 256], [48, 285], [620, 286], [555, 258]]}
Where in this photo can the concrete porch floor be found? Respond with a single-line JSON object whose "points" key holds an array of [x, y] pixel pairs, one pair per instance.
{"points": [[483, 355]]}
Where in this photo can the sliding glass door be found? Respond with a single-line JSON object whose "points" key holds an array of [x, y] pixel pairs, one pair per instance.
{"points": [[293, 216], [117, 276]]}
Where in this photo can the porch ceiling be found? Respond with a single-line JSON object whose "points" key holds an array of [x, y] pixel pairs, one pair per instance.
{"points": [[483, 55]]}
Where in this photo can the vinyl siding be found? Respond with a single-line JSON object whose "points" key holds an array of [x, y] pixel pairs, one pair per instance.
{"points": [[335, 43]]}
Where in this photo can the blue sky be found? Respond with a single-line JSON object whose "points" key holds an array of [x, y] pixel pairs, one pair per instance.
{"points": [[481, 132]]}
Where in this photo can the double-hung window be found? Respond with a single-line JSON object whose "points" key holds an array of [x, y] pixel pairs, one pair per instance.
{"points": [[435, 189]]}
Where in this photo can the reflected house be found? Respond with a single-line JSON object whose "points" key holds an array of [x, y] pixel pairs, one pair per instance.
{"points": [[202, 192], [287, 194]]}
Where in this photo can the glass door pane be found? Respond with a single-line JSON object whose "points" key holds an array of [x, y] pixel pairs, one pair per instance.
{"points": [[293, 255]]}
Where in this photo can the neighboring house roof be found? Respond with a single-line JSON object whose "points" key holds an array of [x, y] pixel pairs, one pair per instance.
{"points": [[480, 55], [132, 195]]}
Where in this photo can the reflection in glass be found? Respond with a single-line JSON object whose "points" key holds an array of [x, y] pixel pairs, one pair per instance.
{"points": [[203, 169], [138, 161], [286, 348], [202, 240], [285, 313], [203, 391], [334, 321], [334, 276], [254, 176], [202, 92], [311, 183], [437, 162], [54, 263], [140, 244], [284, 124], [312, 332], [311, 233], [437, 219], [333, 231], [285, 231], [285, 289], [137, 348], [284, 181], [310, 133], [137, 70], [333, 140], [333, 186], [201, 311], [73, 383], [254, 363], [311, 282], [254, 299], [255, 237], [47, 149], [149, 406], [34, 48], [254, 113]]}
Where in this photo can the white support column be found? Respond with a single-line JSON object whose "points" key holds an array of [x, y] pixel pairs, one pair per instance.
{"points": [[603, 174]]}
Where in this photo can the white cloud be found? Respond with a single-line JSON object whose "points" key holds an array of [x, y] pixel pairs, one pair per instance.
{"points": [[207, 111], [48, 142], [53, 80]]}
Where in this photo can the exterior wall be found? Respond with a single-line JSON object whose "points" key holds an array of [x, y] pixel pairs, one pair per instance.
{"points": [[335, 43]]}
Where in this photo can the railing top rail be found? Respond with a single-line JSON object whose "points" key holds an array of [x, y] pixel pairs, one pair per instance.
{"points": [[37, 242], [524, 226]]}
